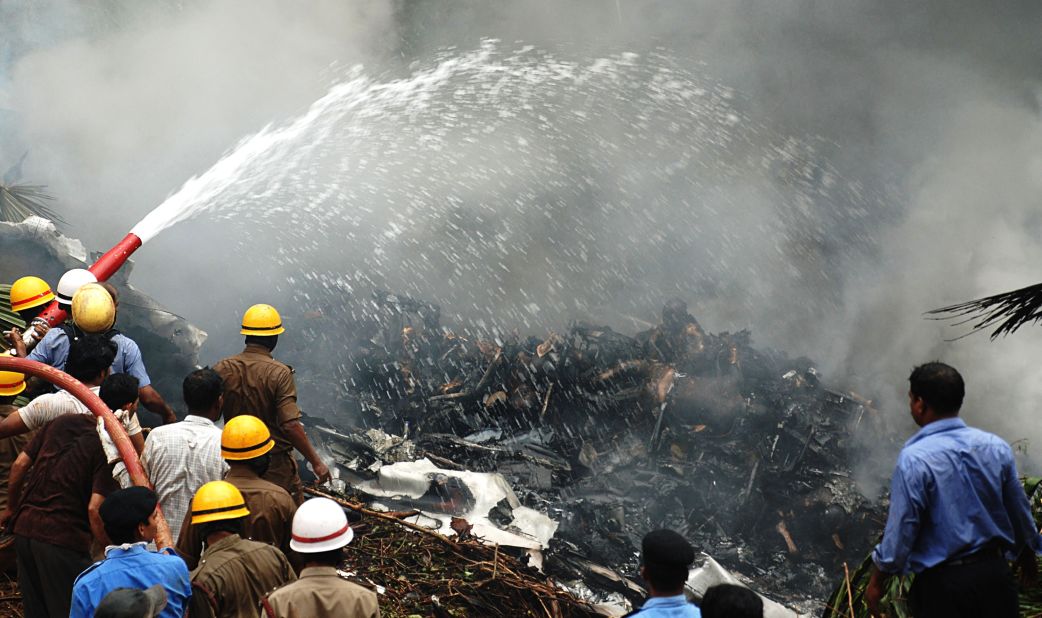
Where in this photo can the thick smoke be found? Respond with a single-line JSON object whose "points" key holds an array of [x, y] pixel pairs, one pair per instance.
{"points": [[925, 117]]}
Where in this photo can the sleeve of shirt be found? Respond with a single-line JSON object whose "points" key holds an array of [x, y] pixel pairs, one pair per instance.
{"points": [[33, 450], [286, 397], [81, 605], [46, 351], [104, 484], [33, 411], [1017, 506], [907, 489], [133, 364]]}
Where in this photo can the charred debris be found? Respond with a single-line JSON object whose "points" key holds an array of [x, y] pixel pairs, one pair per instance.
{"points": [[744, 451]]}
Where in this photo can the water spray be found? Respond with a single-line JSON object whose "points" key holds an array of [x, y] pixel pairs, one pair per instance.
{"points": [[103, 268]]}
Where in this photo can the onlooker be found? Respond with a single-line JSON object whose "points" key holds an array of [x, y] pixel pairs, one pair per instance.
{"points": [[132, 603], [245, 446], [958, 512], [181, 457], [666, 557], [731, 601], [65, 479], [120, 393], [257, 384], [320, 533], [129, 516], [54, 350], [234, 573], [89, 362]]}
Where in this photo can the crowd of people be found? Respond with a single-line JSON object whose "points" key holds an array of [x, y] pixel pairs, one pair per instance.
{"points": [[241, 540]]}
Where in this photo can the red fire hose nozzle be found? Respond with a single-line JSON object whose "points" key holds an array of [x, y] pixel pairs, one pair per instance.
{"points": [[104, 268]]}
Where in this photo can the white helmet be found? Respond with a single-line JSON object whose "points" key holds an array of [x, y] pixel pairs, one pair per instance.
{"points": [[320, 525], [71, 282]]}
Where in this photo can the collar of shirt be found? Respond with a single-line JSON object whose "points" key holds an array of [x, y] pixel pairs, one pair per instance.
{"points": [[945, 424], [319, 571], [195, 419], [676, 601], [240, 472], [256, 348], [227, 541], [126, 548]]}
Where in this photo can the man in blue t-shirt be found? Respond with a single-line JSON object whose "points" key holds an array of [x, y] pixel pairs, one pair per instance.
{"points": [[665, 559], [53, 350], [129, 516]]}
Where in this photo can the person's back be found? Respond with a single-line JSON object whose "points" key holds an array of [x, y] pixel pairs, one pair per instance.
{"points": [[234, 574], [320, 591], [181, 457], [666, 558]]}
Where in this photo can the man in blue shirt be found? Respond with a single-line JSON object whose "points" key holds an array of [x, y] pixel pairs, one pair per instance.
{"points": [[666, 557], [53, 350], [958, 512], [129, 516]]}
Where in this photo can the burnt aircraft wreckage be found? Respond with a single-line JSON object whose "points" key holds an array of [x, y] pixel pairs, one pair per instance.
{"points": [[594, 437]]}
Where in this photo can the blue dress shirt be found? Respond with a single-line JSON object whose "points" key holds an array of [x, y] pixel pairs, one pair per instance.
{"points": [[954, 491], [133, 566], [53, 350], [668, 607]]}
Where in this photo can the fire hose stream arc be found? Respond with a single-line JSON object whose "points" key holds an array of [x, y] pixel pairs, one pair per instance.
{"points": [[99, 409]]}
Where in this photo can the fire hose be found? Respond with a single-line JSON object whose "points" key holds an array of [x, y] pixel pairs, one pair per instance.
{"points": [[112, 425]]}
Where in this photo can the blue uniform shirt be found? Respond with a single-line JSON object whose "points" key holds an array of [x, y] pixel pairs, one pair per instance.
{"points": [[53, 350], [954, 491], [132, 566], [668, 607]]}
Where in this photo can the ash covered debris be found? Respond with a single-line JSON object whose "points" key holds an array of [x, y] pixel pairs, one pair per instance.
{"points": [[744, 451]]}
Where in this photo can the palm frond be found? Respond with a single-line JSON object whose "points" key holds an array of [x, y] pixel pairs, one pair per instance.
{"points": [[18, 202], [1009, 310]]}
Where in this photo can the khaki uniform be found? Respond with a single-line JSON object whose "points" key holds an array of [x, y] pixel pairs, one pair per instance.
{"points": [[270, 520], [257, 384], [234, 575], [320, 592]]}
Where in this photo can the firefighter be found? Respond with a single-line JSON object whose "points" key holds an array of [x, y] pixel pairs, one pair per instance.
{"points": [[29, 297], [234, 573], [320, 533], [257, 384]]}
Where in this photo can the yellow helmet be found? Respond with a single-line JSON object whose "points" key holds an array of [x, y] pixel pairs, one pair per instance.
{"points": [[262, 320], [218, 500], [11, 382], [245, 437], [29, 292], [93, 310]]}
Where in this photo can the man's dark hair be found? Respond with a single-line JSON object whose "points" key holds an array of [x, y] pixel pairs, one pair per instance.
{"points": [[665, 577], [119, 390], [123, 510], [731, 601], [234, 526], [940, 386], [331, 558], [268, 341], [89, 355], [666, 557], [259, 465], [201, 389]]}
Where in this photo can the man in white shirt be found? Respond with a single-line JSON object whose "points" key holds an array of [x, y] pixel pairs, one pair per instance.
{"points": [[181, 457], [90, 359]]}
